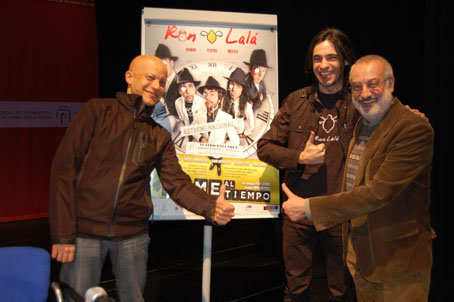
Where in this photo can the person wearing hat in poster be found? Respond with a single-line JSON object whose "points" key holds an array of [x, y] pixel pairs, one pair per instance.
{"points": [[236, 103], [213, 93], [189, 103], [257, 70], [171, 89]]}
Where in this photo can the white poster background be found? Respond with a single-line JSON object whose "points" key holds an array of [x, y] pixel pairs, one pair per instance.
{"points": [[210, 43]]}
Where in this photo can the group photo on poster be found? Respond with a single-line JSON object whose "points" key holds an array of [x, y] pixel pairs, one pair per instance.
{"points": [[221, 95], [224, 113]]}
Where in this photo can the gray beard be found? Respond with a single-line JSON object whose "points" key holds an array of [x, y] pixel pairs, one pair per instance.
{"points": [[376, 113]]}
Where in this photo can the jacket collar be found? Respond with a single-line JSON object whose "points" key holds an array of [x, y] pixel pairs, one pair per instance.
{"points": [[133, 103], [312, 94]]}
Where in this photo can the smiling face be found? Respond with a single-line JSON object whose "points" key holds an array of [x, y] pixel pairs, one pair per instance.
{"points": [[327, 68], [147, 77], [371, 89]]}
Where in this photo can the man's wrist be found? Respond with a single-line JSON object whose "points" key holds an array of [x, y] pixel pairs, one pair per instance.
{"points": [[62, 241], [308, 209]]}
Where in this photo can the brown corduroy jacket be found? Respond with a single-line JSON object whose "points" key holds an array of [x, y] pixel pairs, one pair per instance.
{"points": [[388, 209]]}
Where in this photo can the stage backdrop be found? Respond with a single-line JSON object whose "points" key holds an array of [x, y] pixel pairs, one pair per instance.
{"points": [[209, 48]]}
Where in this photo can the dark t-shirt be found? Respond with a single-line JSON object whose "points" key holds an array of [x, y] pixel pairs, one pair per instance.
{"points": [[328, 179]]}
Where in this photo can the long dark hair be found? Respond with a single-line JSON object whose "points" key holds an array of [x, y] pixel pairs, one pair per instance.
{"points": [[227, 104], [344, 49]]}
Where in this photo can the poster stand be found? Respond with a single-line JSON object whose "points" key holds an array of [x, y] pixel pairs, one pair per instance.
{"points": [[206, 270]]}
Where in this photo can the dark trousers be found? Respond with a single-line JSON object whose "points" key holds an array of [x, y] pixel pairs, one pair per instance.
{"points": [[299, 242]]}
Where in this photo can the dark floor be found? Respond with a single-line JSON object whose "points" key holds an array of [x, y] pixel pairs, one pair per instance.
{"points": [[246, 260]]}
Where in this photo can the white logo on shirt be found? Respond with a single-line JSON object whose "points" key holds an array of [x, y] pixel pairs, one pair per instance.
{"points": [[331, 122]]}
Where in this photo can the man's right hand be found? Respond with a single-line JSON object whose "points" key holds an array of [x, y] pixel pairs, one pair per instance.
{"points": [[224, 210], [312, 153], [294, 207], [63, 252]]}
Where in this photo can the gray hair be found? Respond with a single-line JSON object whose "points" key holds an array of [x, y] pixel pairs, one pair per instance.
{"points": [[369, 58]]}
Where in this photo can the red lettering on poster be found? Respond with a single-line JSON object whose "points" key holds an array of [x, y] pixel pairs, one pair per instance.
{"points": [[171, 32], [243, 39], [191, 37]]}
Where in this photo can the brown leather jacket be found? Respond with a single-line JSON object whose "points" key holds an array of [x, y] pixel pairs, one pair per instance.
{"points": [[100, 178], [281, 145]]}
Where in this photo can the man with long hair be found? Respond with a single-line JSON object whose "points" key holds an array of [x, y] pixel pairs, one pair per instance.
{"points": [[309, 139], [237, 104]]}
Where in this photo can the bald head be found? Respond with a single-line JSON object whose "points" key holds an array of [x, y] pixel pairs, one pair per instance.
{"points": [[147, 77], [368, 59]]}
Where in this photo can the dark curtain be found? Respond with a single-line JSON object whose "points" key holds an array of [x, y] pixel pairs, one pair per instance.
{"points": [[415, 36]]}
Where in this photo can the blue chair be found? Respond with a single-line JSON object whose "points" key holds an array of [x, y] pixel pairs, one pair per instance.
{"points": [[24, 274]]}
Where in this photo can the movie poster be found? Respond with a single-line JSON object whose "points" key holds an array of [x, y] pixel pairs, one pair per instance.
{"points": [[221, 95]]}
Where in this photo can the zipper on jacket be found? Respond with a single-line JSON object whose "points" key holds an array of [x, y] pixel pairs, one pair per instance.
{"points": [[122, 176]]}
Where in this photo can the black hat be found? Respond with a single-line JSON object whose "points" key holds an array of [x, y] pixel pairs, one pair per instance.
{"points": [[185, 76], [238, 76], [258, 57], [211, 83], [163, 52]]}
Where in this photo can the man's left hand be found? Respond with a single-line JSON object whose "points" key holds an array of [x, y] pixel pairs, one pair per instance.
{"points": [[294, 207], [224, 210]]}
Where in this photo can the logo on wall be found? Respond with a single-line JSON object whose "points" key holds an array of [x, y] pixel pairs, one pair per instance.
{"points": [[63, 115]]}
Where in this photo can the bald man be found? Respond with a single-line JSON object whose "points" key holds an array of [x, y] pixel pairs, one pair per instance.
{"points": [[100, 200]]}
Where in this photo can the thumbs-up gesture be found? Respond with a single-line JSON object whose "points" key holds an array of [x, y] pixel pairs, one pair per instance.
{"points": [[294, 206], [312, 153], [224, 210]]}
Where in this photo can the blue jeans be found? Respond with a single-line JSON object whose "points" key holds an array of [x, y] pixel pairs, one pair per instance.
{"points": [[129, 264]]}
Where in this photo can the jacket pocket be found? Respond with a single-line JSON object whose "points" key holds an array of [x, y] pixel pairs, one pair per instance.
{"points": [[140, 145], [134, 210], [297, 134], [399, 231]]}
